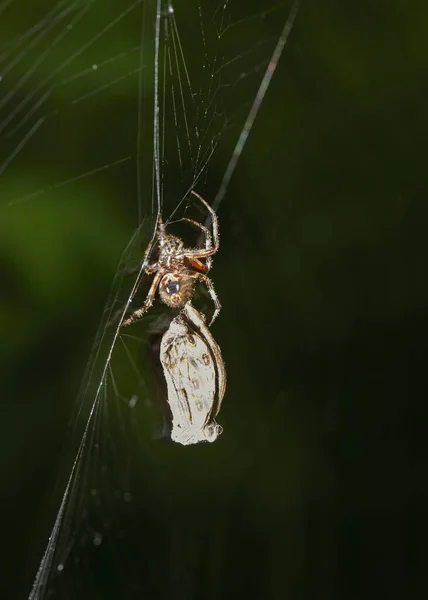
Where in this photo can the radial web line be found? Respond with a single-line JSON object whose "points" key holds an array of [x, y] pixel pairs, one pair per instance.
{"points": [[174, 110], [256, 104], [45, 565], [156, 108], [31, 45], [61, 184], [21, 144], [180, 87], [140, 115], [63, 65], [16, 110]]}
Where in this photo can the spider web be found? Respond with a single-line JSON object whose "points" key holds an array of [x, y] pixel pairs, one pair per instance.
{"points": [[200, 74]]}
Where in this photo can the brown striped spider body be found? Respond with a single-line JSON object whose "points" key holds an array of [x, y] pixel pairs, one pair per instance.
{"points": [[177, 268]]}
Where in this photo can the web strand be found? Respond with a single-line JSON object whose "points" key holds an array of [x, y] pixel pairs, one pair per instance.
{"points": [[279, 48], [188, 124], [156, 156]]}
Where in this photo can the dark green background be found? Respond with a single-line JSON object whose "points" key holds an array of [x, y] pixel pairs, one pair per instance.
{"points": [[317, 487]]}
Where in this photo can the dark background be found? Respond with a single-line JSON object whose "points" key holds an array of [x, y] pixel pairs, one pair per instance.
{"points": [[317, 486]]}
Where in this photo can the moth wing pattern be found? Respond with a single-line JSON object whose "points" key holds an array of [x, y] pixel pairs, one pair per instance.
{"points": [[195, 377], [194, 317]]}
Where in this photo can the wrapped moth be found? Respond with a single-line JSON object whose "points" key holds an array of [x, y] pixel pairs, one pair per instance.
{"points": [[195, 376]]}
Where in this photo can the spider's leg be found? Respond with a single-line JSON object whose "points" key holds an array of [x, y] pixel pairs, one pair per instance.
{"points": [[160, 231], [135, 270], [214, 220], [137, 314], [208, 242], [211, 290], [150, 269], [208, 238], [197, 253], [198, 264]]}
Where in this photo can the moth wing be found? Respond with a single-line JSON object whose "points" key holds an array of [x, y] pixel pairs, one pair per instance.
{"points": [[190, 376]]}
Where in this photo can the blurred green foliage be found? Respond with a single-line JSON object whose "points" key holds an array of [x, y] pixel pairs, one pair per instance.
{"points": [[316, 486]]}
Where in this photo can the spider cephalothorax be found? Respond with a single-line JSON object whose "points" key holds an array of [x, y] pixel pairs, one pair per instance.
{"points": [[178, 268]]}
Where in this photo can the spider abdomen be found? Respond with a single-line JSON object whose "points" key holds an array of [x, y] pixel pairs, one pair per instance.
{"points": [[176, 289]]}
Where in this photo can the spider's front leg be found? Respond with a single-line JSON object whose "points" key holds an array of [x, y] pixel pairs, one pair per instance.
{"points": [[214, 297], [137, 314], [150, 269], [213, 219], [208, 245]]}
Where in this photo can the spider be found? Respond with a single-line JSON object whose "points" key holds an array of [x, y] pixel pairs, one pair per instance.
{"points": [[175, 271]]}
